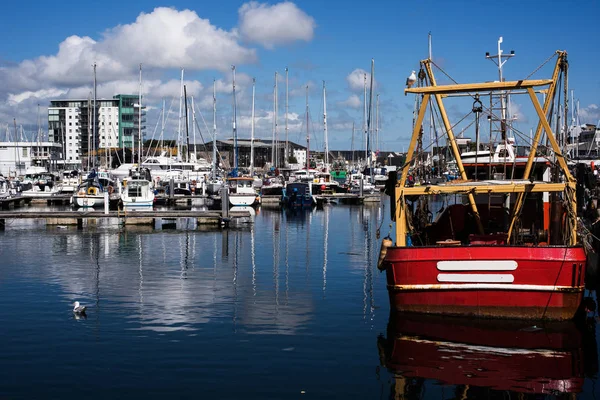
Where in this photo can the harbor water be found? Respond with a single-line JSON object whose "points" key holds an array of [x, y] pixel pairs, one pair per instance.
{"points": [[291, 306]]}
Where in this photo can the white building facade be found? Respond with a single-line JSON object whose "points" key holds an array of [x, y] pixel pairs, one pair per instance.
{"points": [[17, 157]]}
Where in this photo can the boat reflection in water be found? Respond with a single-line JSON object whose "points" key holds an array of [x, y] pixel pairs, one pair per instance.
{"points": [[481, 357]]}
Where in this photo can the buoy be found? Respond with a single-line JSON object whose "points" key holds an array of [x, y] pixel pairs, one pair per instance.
{"points": [[385, 243], [110, 189], [92, 191]]}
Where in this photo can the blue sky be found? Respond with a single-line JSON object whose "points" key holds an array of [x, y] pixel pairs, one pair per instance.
{"points": [[317, 40]]}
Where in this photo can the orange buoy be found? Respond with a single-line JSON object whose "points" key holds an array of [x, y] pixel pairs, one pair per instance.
{"points": [[385, 243]]}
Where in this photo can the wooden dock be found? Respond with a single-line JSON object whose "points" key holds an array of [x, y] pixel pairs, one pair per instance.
{"points": [[133, 217], [18, 201]]}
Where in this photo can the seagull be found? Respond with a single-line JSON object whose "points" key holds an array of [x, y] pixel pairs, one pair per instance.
{"points": [[78, 309], [411, 80]]}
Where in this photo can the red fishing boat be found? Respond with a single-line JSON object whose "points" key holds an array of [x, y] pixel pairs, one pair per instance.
{"points": [[503, 247], [478, 355]]}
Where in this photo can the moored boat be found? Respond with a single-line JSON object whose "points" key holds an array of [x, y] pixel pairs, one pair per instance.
{"points": [[241, 191], [522, 261], [137, 189]]}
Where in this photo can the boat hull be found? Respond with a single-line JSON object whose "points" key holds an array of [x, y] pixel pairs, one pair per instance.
{"points": [[487, 281], [242, 199], [88, 201]]}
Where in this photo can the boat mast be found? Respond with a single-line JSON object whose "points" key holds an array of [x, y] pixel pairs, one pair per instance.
{"points": [[286, 152], [214, 149], [139, 121], [377, 123], [235, 149], [274, 139], [500, 59], [326, 158], [162, 129], [370, 120], [252, 129], [179, 121], [352, 146], [429, 47], [94, 122], [365, 118], [307, 135], [187, 126], [194, 127]]}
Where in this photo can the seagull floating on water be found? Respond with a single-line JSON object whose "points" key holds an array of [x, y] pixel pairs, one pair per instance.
{"points": [[78, 309]]}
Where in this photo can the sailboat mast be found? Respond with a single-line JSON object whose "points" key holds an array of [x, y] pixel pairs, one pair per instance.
{"points": [[370, 120], [275, 130], [352, 143], [139, 121], [214, 169], [365, 117], [235, 148], [179, 120], [94, 122], [326, 158], [194, 127], [187, 126], [307, 135], [377, 124], [252, 129], [162, 129], [286, 152]]}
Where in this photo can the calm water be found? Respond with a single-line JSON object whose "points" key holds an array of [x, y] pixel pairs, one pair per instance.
{"points": [[290, 307]]}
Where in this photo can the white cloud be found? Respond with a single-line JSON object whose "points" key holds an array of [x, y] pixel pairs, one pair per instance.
{"points": [[272, 25], [161, 40], [39, 95], [353, 102], [168, 38], [356, 80], [164, 38], [589, 114]]}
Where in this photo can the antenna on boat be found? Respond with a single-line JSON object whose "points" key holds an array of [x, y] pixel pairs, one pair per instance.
{"points": [[429, 45], [500, 59]]}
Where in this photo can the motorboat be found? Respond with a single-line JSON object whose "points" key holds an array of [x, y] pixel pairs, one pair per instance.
{"points": [[138, 190], [241, 191]]}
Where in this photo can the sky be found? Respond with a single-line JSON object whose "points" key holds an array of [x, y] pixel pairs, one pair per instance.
{"points": [[49, 48]]}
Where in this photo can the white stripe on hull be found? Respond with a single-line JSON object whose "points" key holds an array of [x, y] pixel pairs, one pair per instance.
{"points": [[476, 278], [477, 265]]}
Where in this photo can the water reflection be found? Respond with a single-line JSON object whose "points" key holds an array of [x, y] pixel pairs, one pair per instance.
{"points": [[486, 359]]}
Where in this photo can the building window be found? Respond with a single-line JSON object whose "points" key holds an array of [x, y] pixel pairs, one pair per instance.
{"points": [[70, 116], [70, 124]]}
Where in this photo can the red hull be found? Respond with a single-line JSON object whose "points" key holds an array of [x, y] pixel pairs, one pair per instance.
{"points": [[505, 356], [487, 281]]}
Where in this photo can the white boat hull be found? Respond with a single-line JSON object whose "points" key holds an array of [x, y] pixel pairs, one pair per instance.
{"points": [[242, 199], [137, 202]]}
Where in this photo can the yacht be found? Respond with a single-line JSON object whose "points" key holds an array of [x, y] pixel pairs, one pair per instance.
{"points": [[138, 190], [160, 165], [241, 191]]}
